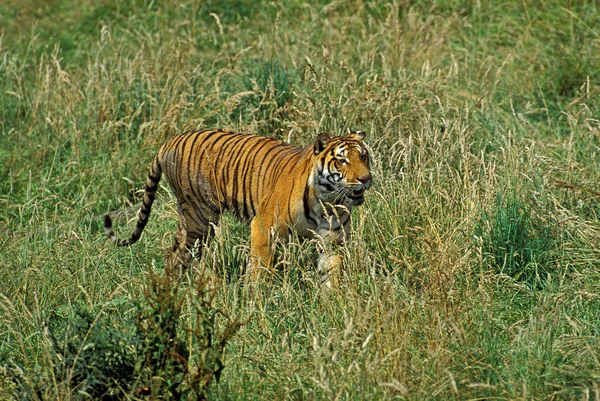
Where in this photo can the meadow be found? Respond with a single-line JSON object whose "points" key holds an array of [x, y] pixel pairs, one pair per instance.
{"points": [[473, 270]]}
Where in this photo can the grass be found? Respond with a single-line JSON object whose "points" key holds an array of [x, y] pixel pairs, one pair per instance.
{"points": [[473, 269]]}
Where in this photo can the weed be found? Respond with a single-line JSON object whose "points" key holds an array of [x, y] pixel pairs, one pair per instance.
{"points": [[175, 367]]}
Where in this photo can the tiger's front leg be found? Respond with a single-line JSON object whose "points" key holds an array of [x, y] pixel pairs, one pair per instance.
{"points": [[333, 232], [261, 252], [330, 269]]}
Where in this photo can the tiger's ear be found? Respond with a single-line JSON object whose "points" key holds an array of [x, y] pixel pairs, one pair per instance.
{"points": [[358, 134], [321, 143]]}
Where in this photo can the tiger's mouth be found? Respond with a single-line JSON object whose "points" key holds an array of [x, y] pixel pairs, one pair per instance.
{"points": [[356, 197]]}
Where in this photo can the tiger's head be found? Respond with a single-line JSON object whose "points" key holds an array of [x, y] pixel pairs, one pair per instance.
{"points": [[342, 169]]}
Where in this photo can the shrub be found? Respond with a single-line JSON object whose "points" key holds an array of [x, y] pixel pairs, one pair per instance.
{"points": [[98, 355], [91, 356], [174, 369]]}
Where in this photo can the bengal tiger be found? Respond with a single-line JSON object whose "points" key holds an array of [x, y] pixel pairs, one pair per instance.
{"points": [[274, 186]]}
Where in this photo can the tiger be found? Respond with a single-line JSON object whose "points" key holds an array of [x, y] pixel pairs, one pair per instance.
{"points": [[272, 185]]}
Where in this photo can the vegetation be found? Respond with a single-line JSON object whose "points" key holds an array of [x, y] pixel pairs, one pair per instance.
{"points": [[474, 268]]}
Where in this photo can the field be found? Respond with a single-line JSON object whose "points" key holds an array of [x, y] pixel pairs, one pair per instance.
{"points": [[473, 271]]}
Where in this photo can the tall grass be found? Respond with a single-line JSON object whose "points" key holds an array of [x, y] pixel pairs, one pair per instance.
{"points": [[472, 271]]}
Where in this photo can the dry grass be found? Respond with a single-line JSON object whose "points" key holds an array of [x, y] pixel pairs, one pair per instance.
{"points": [[473, 269]]}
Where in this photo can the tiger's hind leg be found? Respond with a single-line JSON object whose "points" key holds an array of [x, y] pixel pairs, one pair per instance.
{"points": [[196, 228], [179, 256]]}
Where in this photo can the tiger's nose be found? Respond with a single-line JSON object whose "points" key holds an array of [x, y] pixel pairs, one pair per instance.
{"points": [[365, 180]]}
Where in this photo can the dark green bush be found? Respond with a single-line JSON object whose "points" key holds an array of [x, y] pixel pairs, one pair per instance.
{"points": [[516, 242], [93, 356], [99, 355]]}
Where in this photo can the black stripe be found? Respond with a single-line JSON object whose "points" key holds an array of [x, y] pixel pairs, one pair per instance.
{"points": [[275, 157], [155, 170], [331, 164], [227, 179], [174, 142], [276, 144], [249, 169], [236, 183], [289, 201], [224, 137], [153, 187], [177, 156], [197, 219], [347, 218], [285, 158], [193, 236], [146, 209], [150, 201], [192, 159], [305, 201], [325, 184], [223, 181], [206, 211], [191, 152]]}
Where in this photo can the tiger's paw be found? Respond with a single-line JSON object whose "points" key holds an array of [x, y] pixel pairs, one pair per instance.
{"points": [[330, 269]]}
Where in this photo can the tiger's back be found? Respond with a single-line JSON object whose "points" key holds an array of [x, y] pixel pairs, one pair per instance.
{"points": [[224, 170]]}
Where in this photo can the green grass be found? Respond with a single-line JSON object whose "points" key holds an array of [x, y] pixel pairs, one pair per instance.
{"points": [[473, 271]]}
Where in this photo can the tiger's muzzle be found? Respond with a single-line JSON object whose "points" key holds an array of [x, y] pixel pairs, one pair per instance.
{"points": [[356, 193]]}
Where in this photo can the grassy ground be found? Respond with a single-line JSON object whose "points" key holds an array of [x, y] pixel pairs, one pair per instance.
{"points": [[474, 267]]}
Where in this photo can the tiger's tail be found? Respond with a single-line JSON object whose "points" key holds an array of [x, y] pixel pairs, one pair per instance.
{"points": [[152, 181]]}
